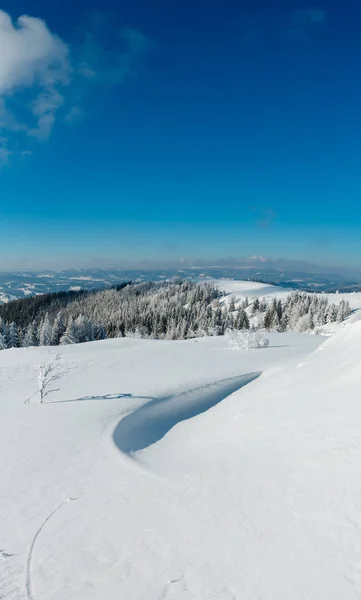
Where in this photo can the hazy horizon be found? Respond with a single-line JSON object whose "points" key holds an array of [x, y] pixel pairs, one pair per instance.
{"points": [[241, 264]]}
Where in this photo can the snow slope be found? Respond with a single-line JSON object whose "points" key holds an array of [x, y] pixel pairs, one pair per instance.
{"points": [[83, 518], [239, 290], [251, 289], [282, 518], [255, 498]]}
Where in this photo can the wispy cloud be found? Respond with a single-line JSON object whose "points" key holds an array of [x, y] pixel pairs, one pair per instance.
{"points": [[43, 79], [111, 57]]}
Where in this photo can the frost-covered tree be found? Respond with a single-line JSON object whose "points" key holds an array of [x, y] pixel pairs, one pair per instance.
{"points": [[232, 305], [45, 332], [58, 329], [30, 337], [242, 320], [246, 340], [304, 323], [13, 336], [332, 313], [343, 312], [268, 318], [245, 303], [47, 375], [3, 344], [255, 306], [69, 336]]}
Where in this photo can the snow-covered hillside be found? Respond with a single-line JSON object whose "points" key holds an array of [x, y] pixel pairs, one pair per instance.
{"points": [[239, 291], [183, 469], [251, 289]]}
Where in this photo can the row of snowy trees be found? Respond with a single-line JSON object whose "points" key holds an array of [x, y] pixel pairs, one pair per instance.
{"points": [[169, 310], [299, 312], [172, 310]]}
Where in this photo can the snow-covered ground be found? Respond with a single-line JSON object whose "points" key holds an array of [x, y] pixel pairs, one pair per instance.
{"points": [[250, 289], [172, 470]]}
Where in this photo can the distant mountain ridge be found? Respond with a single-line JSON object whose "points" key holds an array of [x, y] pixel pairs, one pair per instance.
{"points": [[20, 284]]}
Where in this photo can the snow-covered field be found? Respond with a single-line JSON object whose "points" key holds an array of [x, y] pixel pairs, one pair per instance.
{"points": [[116, 488]]}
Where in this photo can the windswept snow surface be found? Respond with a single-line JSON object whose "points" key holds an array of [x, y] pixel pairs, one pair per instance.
{"points": [[257, 498]]}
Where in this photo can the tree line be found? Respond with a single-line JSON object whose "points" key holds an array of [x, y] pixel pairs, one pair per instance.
{"points": [[178, 309]]}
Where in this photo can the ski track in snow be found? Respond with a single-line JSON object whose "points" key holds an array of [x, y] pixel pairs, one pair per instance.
{"points": [[152, 421], [29, 586]]}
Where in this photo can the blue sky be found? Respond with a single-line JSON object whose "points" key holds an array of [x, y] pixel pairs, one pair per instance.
{"points": [[185, 129]]}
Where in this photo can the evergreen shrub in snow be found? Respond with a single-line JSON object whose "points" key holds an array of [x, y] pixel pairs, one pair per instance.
{"points": [[246, 339]]}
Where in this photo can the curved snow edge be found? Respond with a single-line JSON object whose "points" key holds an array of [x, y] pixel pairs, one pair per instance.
{"points": [[151, 422]]}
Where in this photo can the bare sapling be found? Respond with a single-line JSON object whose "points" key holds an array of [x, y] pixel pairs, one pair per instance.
{"points": [[47, 375]]}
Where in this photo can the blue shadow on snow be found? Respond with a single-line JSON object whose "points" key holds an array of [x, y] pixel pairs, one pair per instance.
{"points": [[152, 421]]}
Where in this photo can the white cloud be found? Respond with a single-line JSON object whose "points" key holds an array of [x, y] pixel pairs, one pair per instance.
{"points": [[34, 67], [39, 76], [30, 54]]}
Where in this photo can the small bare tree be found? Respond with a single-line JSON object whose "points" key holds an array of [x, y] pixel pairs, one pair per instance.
{"points": [[47, 375]]}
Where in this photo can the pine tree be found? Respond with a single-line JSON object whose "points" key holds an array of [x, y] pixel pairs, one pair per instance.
{"points": [[29, 338], [232, 305], [256, 306], [69, 336], [3, 345], [263, 305], [276, 324], [45, 332], [58, 329], [242, 320], [343, 312], [268, 318], [14, 337], [332, 313], [245, 303]]}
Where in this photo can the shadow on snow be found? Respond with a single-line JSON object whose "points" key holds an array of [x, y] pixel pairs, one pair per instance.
{"points": [[103, 397], [152, 421]]}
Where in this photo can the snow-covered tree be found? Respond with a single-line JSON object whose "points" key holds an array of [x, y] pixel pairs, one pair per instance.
{"points": [[58, 329], [343, 312], [69, 336], [30, 338], [13, 336], [246, 340], [45, 332], [232, 304], [47, 375], [176, 309], [255, 306], [242, 320], [3, 344]]}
